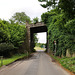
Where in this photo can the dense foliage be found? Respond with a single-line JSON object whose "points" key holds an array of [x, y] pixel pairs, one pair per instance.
{"points": [[67, 6], [11, 37], [60, 29], [68, 63]]}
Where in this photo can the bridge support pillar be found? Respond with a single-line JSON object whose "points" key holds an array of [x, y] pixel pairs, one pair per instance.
{"points": [[28, 37], [47, 48]]}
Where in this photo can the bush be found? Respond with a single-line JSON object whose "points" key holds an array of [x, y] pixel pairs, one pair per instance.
{"points": [[4, 33], [11, 36], [17, 34], [6, 48]]}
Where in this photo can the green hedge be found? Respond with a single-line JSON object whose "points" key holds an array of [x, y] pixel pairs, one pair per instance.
{"points": [[6, 46], [61, 30], [11, 37]]}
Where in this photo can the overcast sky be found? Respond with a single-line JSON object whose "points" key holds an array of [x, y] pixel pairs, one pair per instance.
{"points": [[42, 37], [31, 7]]}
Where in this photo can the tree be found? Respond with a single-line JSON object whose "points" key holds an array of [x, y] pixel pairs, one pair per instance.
{"points": [[4, 32], [35, 38], [68, 6], [46, 15], [34, 41], [49, 3], [17, 34], [20, 18], [61, 30], [12, 36], [35, 20]]}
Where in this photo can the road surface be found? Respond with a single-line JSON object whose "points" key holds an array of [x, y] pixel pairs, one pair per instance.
{"points": [[39, 64]]}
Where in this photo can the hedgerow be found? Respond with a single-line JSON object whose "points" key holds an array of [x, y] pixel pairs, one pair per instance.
{"points": [[62, 30]]}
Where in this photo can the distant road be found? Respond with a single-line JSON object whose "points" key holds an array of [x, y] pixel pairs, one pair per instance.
{"points": [[39, 64]]}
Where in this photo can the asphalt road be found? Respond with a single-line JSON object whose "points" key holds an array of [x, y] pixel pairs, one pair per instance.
{"points": [[39, 64]]}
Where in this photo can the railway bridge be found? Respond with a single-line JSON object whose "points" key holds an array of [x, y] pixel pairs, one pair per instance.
{"points": [[35, 28]]}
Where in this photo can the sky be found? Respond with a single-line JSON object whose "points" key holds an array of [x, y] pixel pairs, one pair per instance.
{"points": [[32, 9], [42, 37]]}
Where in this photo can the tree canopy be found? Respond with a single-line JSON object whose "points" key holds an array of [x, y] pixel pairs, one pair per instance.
{"points": [[60, 29], [49, 3], [35, 20], [67, 6], [13, 34], [20, 18]]}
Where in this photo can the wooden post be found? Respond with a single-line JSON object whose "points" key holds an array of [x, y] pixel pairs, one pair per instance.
{"points": [[27, 54], [1, 60]]}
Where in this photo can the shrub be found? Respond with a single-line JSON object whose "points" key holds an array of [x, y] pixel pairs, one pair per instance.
{"points": [[6, 48]]}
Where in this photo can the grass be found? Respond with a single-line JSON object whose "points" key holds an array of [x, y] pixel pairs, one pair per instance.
{"points": [[68, 63], [12, 59], [39, 48]]}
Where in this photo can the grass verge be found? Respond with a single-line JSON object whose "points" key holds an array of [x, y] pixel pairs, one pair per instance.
{"points": [[68, 63], [12, 59]]}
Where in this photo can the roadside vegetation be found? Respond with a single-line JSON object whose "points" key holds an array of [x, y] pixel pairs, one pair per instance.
{"points": [[40, 46], [15, 57], [13, 34], [60, 22], [68, 63], [13, 37]]}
